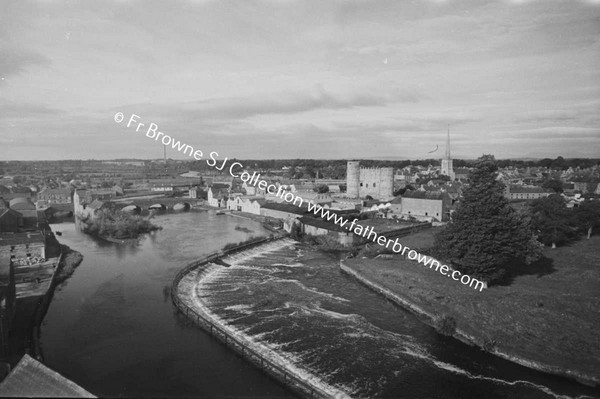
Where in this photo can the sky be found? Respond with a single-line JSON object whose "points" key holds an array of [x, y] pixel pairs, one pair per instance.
{"points": [[260, 79]]}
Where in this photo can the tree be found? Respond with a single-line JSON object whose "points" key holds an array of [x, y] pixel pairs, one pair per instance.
{"points": [[552, 220], [587, 216], [486, 235], [553, 184], [321, 189], [401, 191], [296, 231], [559, 163]]}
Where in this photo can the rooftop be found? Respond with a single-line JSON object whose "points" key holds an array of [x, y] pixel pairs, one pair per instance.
{"points": [[21, 238], [322, 224], [31, 378], [284, 207]]}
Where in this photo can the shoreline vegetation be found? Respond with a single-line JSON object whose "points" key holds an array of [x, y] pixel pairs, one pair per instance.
{"points": [[71, 259], [118, 226], [546, 318]]}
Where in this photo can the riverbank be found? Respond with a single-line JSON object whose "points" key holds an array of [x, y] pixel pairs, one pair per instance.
{"points": [[71, 259], [546, 319]]}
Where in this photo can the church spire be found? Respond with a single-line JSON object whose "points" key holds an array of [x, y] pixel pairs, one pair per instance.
{"points": [[448, 143]]}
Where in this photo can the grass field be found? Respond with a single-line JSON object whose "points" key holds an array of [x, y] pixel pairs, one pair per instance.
{"points": [[548, 315]]}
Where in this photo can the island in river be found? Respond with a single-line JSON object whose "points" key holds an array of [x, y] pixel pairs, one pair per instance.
{"points": [[117, 226]]}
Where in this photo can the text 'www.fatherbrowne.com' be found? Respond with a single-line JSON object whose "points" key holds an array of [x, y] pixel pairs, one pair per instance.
{"points": [[236, 170]]}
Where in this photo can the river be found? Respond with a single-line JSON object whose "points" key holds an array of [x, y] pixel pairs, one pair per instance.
{"points": [[112, 327], [113, 330]]}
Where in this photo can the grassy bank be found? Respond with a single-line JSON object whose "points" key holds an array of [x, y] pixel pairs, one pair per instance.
{"points": [[69, 262], [547, 317]]}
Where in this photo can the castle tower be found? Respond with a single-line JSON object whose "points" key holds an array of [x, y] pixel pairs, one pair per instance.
{"points": [[386, 185], [353, 179], [447, 167]]}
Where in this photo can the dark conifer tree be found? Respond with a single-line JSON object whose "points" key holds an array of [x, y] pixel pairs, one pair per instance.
{"points": [[486, 235]]}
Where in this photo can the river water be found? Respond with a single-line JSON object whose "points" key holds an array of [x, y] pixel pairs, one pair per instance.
{"points": [[113, 330]]}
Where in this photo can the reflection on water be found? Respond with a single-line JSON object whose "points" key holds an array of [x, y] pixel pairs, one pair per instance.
{"points": [[112, 329]]}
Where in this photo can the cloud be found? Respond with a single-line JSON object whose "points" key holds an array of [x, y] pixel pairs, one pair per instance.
{"points": [[25, 110], [16, 61], [281, 103]]}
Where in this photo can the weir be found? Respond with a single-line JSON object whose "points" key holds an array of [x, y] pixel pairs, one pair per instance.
{"points": [[183, 294]]}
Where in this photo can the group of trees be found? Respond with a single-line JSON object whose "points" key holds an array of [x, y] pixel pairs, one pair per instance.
{"points": [[487, 236], [555, 224], [118, 224]]}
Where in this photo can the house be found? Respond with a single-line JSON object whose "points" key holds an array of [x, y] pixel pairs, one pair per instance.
{"points": [[27, 209], [79, 201], [462, 173], [249, 189], [23, 245], [334, 188], [84, 207], [218, 195], [197, 192], [515, 192], [92, 209], [15, 192], [423, 205], [118, 190], [10, 220], [250, 204], [51, 196]]}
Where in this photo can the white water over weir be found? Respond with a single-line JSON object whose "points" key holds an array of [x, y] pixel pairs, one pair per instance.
{"points": [[188, 297]]}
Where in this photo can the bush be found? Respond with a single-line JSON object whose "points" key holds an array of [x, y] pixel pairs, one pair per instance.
{"points": [[251, 240], [489, 344], [446, 325], [118, 224]]}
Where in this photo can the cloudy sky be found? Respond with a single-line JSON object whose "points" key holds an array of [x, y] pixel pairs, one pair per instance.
{"points": [[300, 78]]}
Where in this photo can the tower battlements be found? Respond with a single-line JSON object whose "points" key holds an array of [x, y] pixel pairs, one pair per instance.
{"points": [[376, 182]]}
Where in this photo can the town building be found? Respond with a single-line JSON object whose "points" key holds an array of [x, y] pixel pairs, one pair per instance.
{"points": [[447, 167], [50, 196], [319, 227], [10, 220], [23, 245], [28, 211], [86, 203], [375, 182], [515, 192], [462, 174], [422, 205], [197, 193], [249, 204], [218, 194]]}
